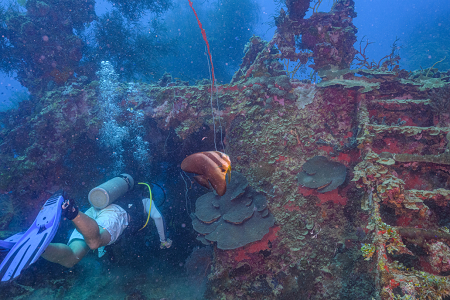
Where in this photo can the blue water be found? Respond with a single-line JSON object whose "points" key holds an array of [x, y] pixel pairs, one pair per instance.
{"points": [[422, 26]]}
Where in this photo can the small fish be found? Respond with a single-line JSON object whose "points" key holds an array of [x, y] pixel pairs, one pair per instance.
{"points": [[211, 167], [236, 38]]}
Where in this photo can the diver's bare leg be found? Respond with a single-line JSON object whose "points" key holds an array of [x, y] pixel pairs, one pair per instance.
{"points": [[94, 236], [67, 256]]}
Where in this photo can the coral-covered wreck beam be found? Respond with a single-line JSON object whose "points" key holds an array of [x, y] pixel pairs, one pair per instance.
{"points": [[419, 235], [330, 36]]}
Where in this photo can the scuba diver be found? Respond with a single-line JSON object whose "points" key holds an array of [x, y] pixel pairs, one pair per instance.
{"points": [[114, 213], [103, 223]]}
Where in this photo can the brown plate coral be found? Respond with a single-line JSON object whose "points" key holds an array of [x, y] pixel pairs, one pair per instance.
{"points": [[234, 220], [322, 174]]}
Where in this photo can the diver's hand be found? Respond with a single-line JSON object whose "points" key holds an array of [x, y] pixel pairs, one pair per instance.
{"points": [[166, 244], [69, 209]]}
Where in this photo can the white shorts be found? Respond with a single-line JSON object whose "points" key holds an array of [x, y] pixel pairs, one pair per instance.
{"points": [[112, 218]]}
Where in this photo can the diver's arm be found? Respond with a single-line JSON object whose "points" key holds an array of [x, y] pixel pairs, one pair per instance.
{"points": [[159, 222]]}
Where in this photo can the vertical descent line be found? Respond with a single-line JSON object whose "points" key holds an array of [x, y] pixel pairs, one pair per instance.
{"points": [[211, 74], [204, 38], [212, 108]]}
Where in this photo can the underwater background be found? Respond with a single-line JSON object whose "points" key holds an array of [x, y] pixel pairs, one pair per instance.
{"points": [[335, 116]]}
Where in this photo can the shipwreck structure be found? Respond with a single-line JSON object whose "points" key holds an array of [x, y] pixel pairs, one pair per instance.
{"points": [[380, 233]]}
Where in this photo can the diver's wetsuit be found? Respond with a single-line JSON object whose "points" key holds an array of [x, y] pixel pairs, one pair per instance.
{"points": [[138, 212]]}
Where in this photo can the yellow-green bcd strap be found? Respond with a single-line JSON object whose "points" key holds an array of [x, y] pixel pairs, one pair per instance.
{"points": [[150, 208]]}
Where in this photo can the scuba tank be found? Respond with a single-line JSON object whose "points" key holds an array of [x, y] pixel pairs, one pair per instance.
{"points": [[108, 192]]}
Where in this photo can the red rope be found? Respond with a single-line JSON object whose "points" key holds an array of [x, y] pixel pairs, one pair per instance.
{"points": [[206, 41]]}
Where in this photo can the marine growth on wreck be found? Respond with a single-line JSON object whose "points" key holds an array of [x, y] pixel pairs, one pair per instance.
{"points": [[339, 179]]}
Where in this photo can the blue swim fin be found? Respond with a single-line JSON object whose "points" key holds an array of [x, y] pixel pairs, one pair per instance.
{"points": [[35, 240], [8, 243]]}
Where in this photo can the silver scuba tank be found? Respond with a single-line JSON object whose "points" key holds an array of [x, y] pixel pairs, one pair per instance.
{"points": [[108, 192]]}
